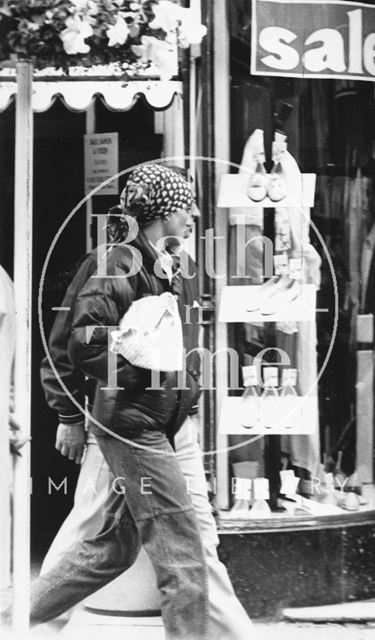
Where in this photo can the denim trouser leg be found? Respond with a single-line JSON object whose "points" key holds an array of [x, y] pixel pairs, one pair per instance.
{"points": [[228, 618], [88, 565], [90, 500], [160, 513], [161, 507]]}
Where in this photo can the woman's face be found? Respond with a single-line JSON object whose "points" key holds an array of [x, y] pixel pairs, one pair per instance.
{"points": [[179, 223]]}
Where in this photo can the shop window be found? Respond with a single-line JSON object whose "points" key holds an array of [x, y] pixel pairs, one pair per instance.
{"points": [[329, 129]]}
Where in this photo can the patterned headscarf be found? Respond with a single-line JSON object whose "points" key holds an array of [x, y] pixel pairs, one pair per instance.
{"points": [[155, 191]]}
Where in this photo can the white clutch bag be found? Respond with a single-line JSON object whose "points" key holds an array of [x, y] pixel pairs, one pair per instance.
{"points": [[150, 334]]}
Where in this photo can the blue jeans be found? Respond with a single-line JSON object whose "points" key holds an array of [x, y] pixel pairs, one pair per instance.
{"points": [[228, 619], [155, 511]]}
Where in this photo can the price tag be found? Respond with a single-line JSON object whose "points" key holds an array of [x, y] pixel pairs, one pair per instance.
{"points": [[296, 268], [289, 377], [261, 489], [289, 483], [242, 488], [249, 375], [271, 377], [281, 264]]}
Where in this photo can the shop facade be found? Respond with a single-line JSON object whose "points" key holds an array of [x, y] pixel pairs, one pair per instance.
{"points": [[310, 539]]}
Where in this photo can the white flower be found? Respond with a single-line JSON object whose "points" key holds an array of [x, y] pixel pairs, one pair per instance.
{"points": [[92, 8], [118, 33], [32, 26], [85, 7], [74, 35], [81, 6], [190, 31], [167, 16], [159, 53]]}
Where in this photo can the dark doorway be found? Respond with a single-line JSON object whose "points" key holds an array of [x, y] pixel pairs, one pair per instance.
{"points": [[58, 184]]}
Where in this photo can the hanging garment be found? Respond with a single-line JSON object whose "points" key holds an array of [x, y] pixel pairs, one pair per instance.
{"points": [[298, 339]]}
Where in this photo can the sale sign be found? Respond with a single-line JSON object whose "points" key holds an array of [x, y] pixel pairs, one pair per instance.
{"points": [[313, 39]]}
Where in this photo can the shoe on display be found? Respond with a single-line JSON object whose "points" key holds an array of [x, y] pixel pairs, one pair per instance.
{"points": [[350, 502], [264, 292], [277, 185], [354, 484], [240, 510], [249, 408], [304, 507], [328, 494], [260, 509], [289, 395], [257, 188], [281, 298], [269, 408]]}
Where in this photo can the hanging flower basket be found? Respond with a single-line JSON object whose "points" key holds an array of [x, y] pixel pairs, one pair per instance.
{"points": [[64, 33]]}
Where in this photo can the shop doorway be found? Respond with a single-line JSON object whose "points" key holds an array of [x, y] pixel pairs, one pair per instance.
{"points": [[58, 187]]}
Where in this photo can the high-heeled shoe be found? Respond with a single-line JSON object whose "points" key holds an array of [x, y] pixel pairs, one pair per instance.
{"points": [[281, 298], [250, 399], [263, 292]]}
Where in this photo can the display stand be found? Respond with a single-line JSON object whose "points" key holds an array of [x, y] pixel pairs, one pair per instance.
{"points": [[232, 195]]}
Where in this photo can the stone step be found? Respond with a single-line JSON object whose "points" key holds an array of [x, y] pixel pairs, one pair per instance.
{"points": [[363, 611], [84, 623]]}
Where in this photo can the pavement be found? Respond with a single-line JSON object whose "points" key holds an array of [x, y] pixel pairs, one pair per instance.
{"points": [[86, 626], [347, 621], [262, 631]]}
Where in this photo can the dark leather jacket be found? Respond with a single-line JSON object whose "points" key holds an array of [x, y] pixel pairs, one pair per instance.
{"points": [[99, 302]]}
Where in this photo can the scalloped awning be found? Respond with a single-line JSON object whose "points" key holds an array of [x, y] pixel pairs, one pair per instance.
{"points": [[78, 94]]}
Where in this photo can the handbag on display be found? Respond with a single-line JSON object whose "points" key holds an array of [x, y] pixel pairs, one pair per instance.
{"points": [[150, 334]]}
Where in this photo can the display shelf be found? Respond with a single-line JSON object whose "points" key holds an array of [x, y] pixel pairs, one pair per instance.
{"points": [[233, 187], [235, 298], [301, 419]]}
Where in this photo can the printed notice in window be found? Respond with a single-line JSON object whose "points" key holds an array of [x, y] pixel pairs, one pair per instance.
{"points": [[101, 162]]}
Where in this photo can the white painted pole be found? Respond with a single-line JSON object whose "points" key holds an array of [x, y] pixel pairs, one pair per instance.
{"points": [[192, 117], [195, 51], [222, 152], [22, 372]]}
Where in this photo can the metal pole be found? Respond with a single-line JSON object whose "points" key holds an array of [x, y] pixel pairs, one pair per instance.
{"points": [[22, 371], [222, 152]]}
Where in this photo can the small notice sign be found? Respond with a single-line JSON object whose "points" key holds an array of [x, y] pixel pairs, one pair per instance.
{"points": [[101, 162]]}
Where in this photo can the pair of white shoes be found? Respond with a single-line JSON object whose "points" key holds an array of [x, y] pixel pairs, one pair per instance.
{"points": [[274, 295]]}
